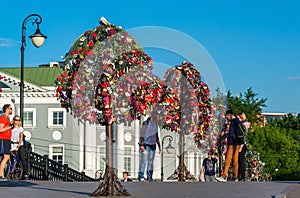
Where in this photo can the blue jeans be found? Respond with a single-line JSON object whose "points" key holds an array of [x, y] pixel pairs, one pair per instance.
{"points": [[147, 157]]}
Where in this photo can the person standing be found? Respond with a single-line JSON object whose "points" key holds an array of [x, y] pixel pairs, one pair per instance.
{"points": [[232, 153], [148, 140], [208, 167], [5, 136], [17, 142], [243, 148]]}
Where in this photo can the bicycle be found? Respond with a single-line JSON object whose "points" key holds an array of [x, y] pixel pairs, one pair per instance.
{"points": [[14, 167]]}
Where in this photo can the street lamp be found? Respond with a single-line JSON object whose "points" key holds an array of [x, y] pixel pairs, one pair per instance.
{"points": [[37, 39], [169, 149]]}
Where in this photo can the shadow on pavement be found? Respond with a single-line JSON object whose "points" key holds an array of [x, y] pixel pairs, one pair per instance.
{"points": [[60, 190], [16, 183]]}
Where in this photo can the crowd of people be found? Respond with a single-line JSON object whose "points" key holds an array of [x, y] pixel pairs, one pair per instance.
{"points": [[235, 152], [11, 140], [236, 147]]}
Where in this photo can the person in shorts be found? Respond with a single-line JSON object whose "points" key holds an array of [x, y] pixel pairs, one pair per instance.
{"points": [[5, 136]]}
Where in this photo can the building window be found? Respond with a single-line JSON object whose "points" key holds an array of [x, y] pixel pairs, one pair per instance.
{"points": [[128, 158], [57, 117], [101, 154], [127, 122], [57, 153], [29, 117]]}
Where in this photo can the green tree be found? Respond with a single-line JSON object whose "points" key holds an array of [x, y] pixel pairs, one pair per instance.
{"points": [[249, 104], [291, 126], [278, 150]]}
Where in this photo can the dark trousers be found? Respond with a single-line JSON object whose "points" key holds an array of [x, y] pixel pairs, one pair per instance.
{"points": [[242, 164], [22, 153]]}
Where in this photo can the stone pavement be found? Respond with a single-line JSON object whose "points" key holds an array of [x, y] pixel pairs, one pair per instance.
{"points": [[46, 189]]}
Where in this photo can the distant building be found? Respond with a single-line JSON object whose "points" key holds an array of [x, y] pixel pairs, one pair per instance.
{"points": [[54, 132], [270, 116]]}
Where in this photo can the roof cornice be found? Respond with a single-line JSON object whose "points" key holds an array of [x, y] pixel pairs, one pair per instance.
{"points": [[48, 94], [16, 81]]}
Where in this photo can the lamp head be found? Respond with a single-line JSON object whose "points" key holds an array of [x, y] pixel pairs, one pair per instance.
{"points": [[38, 38], [170, 149]]}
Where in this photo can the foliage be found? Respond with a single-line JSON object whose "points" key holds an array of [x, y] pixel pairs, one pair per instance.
{"points": [[249, 104], [278, 150]]}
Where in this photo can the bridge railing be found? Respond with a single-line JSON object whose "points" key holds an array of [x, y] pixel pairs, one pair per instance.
{"points": [[42, 168]]}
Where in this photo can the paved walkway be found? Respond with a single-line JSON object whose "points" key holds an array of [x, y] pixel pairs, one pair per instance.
{"points": [[45, 189]]}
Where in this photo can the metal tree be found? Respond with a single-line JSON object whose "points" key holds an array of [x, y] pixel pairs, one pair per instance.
{"points": [[102, 68], [183, 102]]}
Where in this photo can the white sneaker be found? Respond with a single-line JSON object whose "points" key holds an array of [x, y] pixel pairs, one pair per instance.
{"points": [[221, 179]]}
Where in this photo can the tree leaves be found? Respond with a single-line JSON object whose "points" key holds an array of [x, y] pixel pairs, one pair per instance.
{"points": [[278, 150], [249, 104]]}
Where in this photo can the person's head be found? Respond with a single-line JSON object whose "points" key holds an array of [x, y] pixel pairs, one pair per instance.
{"points": [[241, 116], [125, 174], [7, 109], [229, 115], [154, 116], [209, 154], [17, 120]]}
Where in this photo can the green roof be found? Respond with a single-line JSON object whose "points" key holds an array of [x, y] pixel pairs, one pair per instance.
{"points": [[40, 76]]}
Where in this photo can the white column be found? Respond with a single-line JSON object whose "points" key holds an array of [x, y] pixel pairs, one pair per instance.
{"points": [[136, 148], [197, 164], [191, 163], [81, 143], [120, 150], [90, 149], [157, 160], [201, 160]]}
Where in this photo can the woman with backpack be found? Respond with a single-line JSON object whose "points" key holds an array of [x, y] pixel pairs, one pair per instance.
{"points": [[243, 147]]}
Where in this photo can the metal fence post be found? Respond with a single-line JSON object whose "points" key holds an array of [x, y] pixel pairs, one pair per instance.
{"points": [[66, 172], [82, 175], [28, 163], [46, 171]]}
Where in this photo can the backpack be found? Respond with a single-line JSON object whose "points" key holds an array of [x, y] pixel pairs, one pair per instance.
{"points": [[240, 132]]}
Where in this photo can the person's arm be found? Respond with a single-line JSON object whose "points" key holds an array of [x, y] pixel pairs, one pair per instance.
{"points": [[158, 142], [142, 148], [216, 157], [241, 148], [20, 139], [4, 129], [201, 172], [247, 125]]}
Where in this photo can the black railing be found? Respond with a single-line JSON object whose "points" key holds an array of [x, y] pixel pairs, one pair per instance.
{"points": [[42, 168]]}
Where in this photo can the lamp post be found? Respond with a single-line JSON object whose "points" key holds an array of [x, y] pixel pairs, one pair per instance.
{"points": [[168, 148], [37, 39]]}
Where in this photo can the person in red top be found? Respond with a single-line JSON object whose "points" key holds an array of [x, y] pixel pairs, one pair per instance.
{"points": [[5, 136]]}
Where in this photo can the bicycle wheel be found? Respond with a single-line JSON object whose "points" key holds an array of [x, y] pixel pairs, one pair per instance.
{"points": [[17, 172], [7, 170]]}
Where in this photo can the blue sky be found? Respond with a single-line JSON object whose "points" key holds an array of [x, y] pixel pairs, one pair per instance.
{"points": [[253, 43]]}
